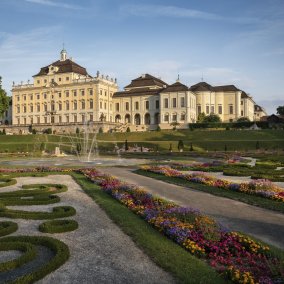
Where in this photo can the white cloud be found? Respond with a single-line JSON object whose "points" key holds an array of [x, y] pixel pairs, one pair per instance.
{"points": [[54, 4]]}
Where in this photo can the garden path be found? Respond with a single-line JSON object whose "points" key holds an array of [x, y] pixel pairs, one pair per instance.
{"points": [[100, 251], [264, 224]]}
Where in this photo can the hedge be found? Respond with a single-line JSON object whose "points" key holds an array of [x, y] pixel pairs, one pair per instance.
{"points": [[7, 181], [29, 253], [60, 250], [228, 125], [7, 227], [58, 226]]}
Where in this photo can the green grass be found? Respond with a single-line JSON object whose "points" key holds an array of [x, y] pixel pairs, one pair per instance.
{"points": [[246, 198], [58, 226], [164, 252], [201, 139]]}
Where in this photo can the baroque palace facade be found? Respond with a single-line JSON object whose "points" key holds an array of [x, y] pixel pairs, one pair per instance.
{"points": [[64, 94]]}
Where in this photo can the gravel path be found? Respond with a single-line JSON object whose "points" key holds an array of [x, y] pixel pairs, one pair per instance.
{"points": [[264, 224], [100, 251]]}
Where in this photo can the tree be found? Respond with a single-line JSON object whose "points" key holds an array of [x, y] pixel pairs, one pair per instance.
{"points": [[128, 129], [4, 99], [243, 119], [126, 148], [101, 130], [158, 128], [201, 117], [191, 147], [212, 118], [180, 145], [77, 130], [280, 110], [42, 146]]}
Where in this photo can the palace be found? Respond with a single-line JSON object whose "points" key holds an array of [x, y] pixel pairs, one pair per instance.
{"points": [[63, 93]]}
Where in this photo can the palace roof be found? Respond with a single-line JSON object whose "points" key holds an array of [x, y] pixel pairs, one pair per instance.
{"points": [[176, 87], [65, 66], [203, 86], [146, 80]]}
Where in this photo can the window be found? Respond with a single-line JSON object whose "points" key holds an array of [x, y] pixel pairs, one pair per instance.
{"points": [[182, 116], [52, 106], [82, 92], [45, 119], [83, 118], [18, 98], [75, 117], [59, 106], [231, 109], [44, 95], [59, 95], [37, 96], [67, 118], [105, 93], [18, 121], [174, 102], [101, 92], [182, 102], [59, 79], [18, 109], [166, 117], [45, 107], [75, 105], [38, 107], [117, 106], [25, 98], [220, 109], [166, 103], [32, 120], [91, 92], [242, 102], [137, 105], [242, 113], [212, 109], [67, 78], [38, 81], [147, 105], [207, 109], [127, 106], [45, 81], [31, 97], [198, 109], [25, 120], [74, 93], [59, 119], [24, 109], [38, 120], [67, 94], [101, 104], [91, 117], [67, 105], [105, 105], [83, 104], [174, 117], [157, 104], [91, 104], [31, 108]]}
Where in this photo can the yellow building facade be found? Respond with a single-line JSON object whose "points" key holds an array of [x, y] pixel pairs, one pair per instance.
{"points": [[63, 93]]}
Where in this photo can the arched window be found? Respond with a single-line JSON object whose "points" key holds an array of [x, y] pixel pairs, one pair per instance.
{"points": [[67, 105], [75, 105], [127, 118], [83, 104], [91, 104], [137, 119], [117, 118], [147, 119], [166, 117]]}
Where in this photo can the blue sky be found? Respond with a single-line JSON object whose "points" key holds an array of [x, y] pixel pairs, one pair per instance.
{"points": [[238, 42]]}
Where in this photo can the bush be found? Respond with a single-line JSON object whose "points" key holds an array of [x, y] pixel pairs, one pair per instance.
{"points": [[158, 128], [47, 131], [58, 226], [7, 228], [101, 130], [128, 129], [60, 250], [7, 181]]}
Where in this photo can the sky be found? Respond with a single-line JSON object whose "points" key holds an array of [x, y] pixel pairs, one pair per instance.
{"points": [[223, 42]]}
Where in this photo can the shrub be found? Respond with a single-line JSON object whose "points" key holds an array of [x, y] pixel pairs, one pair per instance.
{"points": [[7, 181], [7, 227], [101, 130], [158, 128], [47, 131], [77, 130], [128, 129], [58, 226]]}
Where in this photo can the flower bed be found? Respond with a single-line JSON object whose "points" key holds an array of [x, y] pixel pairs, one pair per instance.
{"points": [[259, 187], [234, 255]]}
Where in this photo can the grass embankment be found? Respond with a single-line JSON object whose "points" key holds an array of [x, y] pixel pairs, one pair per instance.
{"points": [[201, 140], [165, 253], [249, 199]]}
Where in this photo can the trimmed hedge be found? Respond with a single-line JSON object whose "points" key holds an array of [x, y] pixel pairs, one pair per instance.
{"points": [[228, 125], [58, 226], [60, 250], [7, 228], [7, 181], [28, 250], [58, 212]]}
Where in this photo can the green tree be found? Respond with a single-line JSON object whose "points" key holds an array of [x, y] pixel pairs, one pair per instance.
{"points": [[126, 148], [128, 129], [77, 130], [201, 117], [158, 128], [4, 99], [280, 110], [243, 119], [180, 145], [101, 130], [212, 118], [42, 146], [191, 147]]}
